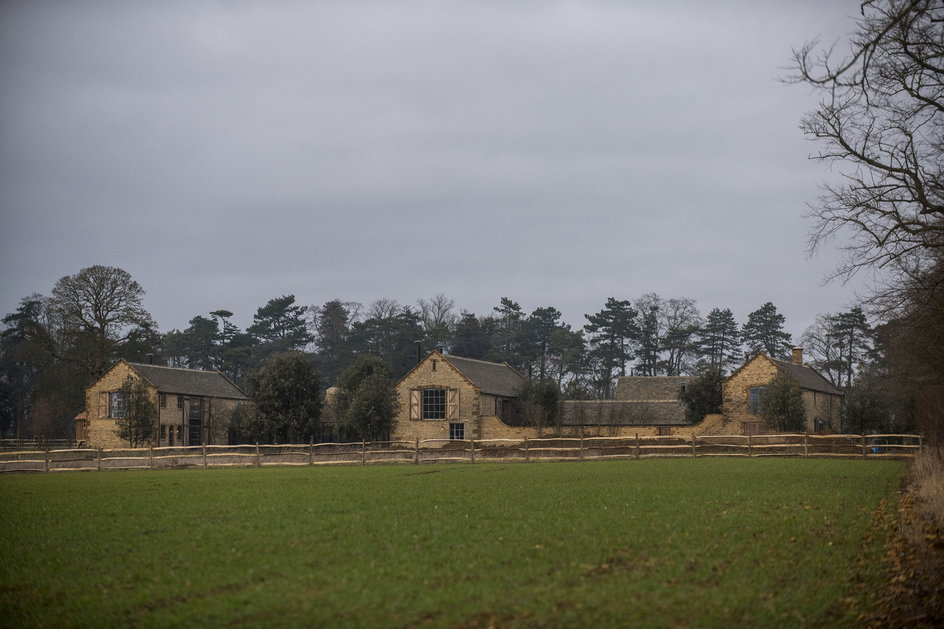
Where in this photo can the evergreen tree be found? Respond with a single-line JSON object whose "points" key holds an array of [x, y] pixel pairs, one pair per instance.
{"points": [[333, 340], [367, 400], [763, 332], [508, 337], [470, 338], [286, 392], [612, 334], [280, 326], [720, 341], [781, 405], [703, 396], [538, 330]]}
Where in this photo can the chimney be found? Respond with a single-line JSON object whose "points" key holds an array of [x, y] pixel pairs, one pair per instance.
{"points": [[419, 352], [797, 355]]}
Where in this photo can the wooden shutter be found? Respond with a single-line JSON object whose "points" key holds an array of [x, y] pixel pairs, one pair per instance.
{"points": [[452, 404], [103, 404], [415, 403]]}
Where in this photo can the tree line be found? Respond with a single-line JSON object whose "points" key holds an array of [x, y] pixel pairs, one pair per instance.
{"points": [[53, 346]]}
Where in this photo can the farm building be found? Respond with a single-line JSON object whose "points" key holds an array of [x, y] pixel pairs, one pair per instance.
{"points": [[194, 406], [650, 403], [448, 397], [743, 390]]}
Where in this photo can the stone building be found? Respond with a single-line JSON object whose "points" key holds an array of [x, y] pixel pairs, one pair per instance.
{"points": [[194, 407], [448, 397], [643, 404], [743, 390]]}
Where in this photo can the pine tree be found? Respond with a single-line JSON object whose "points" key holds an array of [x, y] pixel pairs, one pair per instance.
{"points": [[763, 332]]}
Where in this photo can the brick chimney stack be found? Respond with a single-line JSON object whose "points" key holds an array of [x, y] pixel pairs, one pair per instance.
{"points": [[797, 355]]}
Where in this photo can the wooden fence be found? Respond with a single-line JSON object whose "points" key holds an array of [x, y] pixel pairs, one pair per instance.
{"points": [[464, 451]]}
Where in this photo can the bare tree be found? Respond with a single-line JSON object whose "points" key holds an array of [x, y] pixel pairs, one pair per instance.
{"points": [[104, 301], [438, 318], [880, 121]]}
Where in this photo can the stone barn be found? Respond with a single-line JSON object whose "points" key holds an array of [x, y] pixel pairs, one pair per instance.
{"points": [[194, 406], [744, 389]]}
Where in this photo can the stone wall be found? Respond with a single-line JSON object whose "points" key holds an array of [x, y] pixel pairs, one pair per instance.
{"points": [[822, 409], [436, 373], [736, 389], [172, 415], [101, 428]]}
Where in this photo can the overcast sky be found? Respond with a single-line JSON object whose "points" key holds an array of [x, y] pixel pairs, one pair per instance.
{"points": [[557, 153]]}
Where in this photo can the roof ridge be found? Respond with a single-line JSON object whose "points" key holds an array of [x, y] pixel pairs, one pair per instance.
{"points": [[475, 360], [175, 368]]}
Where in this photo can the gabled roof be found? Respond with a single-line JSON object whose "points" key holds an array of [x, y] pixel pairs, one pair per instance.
{"points": [[189, 381], [649, 388], [623, 413], [491, 378], [806, 376]]}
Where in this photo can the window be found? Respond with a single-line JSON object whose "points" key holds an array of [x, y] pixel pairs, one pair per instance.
{"points": [[163, 399], [665, 431], [457, 432], [118, 404], [180, 401], [163, 432], [756, 394], [434, 404]]}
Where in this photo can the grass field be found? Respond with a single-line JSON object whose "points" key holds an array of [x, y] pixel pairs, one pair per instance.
{"points": [[703, 542]]}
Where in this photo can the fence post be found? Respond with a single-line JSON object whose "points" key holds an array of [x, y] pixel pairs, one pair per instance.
{"points": [[311, 451], [204, 456], [46, 461], [527, 452], [864, 449], [750, 449], [363, 452], [806, 445], [99, 459], [150, 458], [637, 446], [580, 452], [472, 450], [416, 452], [258, 456], [693, 446]]}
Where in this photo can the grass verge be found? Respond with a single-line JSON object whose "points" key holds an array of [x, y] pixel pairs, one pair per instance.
{"points": [[707, 542]]}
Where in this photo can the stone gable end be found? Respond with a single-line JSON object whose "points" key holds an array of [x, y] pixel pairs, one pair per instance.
{"points": [[435, 372], [101, 428]]}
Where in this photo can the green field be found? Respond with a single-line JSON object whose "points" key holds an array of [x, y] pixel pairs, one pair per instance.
{"points": [[703, 542]]}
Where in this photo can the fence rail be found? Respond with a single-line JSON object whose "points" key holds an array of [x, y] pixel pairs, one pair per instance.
{"points": [[465, 451]]}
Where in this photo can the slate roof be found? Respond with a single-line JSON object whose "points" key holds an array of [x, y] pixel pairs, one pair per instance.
{"points": [[650, 387], [491, 378], [623, 413], [806, 376], [189, 381]]}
